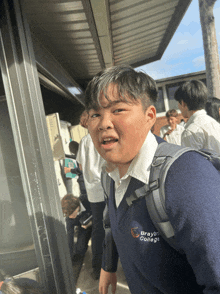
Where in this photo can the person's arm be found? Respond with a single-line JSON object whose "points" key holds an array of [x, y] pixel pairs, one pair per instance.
{"points": [[76, 170], [109, 258], [193, 205], [167, 133]]}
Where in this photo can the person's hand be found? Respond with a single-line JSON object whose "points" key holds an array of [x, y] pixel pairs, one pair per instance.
{"points": [[168, 133], [87, 226], [67, 170], [107, 279]]}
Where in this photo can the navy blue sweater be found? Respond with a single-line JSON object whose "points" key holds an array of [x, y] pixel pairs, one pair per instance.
{"points": [[193, 204]]}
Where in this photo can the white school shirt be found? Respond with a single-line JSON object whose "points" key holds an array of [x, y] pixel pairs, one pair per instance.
{"points": [[92, 164], [139, 168], [201, 131], [175, 136]]}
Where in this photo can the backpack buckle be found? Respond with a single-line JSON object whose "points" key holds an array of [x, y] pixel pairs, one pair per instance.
{"points": [[154, 185], [159, 160]]}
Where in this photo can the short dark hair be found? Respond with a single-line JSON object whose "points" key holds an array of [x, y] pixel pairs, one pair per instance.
{"points": [[194, 93], [130, 85], [69, 204], [171, 112], [74, 146], [21, 286], [212, 108]]}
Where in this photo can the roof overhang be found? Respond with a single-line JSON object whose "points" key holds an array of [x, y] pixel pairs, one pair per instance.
{"points": [[86, 36]]}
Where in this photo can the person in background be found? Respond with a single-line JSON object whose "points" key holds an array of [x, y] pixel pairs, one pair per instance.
{"points": [[90, 162], [74, 146], [77, 209], [201, 130], [212, 108], [173, 131], [10, 285]]}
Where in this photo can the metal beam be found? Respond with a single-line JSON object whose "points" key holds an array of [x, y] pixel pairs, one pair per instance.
{"points": [[102, 19], [93, 30], [52, 70]]}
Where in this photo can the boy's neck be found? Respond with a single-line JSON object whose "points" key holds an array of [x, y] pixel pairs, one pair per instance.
{"points": [[123, 169], [191, 112]]}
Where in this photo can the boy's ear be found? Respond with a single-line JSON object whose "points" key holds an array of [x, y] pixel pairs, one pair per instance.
{"points": [[151, 114], [183, 104]]}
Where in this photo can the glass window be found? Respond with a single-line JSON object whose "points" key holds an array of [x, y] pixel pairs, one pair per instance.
{"points": [[171, 89], [160, 107]]}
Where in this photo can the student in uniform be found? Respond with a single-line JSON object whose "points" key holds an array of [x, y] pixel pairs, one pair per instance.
{"points": [[201, 130], [120, 102], [76, 209], [173, 131]]}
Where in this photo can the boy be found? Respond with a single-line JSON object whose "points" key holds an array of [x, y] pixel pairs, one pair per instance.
{"points": [[90, 163], [76, 209], [201, 130], [172, 132], [121, 115]]}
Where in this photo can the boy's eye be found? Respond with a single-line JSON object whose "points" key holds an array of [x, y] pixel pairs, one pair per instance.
{"points": [[118, 110], [95, 115]]}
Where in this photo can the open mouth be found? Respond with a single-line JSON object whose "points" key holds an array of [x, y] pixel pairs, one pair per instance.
{"points": [[107, 141]]}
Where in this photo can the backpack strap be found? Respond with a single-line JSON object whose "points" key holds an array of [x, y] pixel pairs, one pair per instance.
{"points": [[212, 156], [164, 157], [106, 183]]}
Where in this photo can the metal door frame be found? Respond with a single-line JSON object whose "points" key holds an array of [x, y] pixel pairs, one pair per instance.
{"points": [[27, 116]]}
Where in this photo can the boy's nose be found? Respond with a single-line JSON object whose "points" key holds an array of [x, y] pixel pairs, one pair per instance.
{"points": [[105, 123]]}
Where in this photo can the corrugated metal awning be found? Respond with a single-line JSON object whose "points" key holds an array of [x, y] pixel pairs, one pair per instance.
{"points": [[86, 36]]}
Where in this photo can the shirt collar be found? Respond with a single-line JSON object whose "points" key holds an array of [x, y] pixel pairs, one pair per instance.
{"points": [[195, 115], [140, 165]]}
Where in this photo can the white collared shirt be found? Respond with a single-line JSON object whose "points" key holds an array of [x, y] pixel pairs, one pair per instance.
{"points": [[201, 132], [91, 163], [175, 136], [139, 168]]}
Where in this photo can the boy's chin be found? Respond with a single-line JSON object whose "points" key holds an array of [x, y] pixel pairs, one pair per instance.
{"points": [[110, 166]]}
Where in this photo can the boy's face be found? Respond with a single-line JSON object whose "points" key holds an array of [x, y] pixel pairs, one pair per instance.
{"points": [[118, 129], [183, 108], [172, 121], [74, 214]]}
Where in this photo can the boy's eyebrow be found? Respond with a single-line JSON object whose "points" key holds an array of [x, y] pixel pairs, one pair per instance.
{"points": [[110, 103]]}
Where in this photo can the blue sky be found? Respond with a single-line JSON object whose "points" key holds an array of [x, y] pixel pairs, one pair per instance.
{"points": [[185, 52]]}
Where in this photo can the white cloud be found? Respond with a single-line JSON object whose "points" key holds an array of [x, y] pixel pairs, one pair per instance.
{"points": [[159, 69], [198, 61], [182, 42]]}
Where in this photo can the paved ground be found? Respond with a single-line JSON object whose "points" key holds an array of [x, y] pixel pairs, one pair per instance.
{"points": [[85, 282]]}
